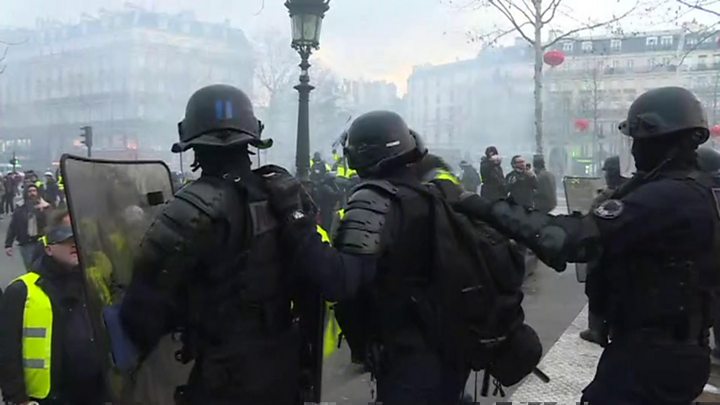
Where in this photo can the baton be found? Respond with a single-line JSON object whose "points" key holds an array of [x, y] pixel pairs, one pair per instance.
{"points": [[542, 376]]}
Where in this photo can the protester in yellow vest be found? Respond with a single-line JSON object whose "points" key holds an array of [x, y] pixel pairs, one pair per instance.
{"points": [[47, 345]]}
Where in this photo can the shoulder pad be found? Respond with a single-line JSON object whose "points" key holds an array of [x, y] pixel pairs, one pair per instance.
{"points": [[381, 185], [205, 194], [360, 231], [372, 195]]}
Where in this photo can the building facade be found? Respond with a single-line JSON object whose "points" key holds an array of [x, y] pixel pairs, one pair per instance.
{"points": [[128, 74], [601, 76], [461, 108]]}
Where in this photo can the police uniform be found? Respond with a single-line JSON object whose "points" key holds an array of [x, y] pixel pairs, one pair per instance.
{"points": [[656, 244], [210, 266], [383, 254]]}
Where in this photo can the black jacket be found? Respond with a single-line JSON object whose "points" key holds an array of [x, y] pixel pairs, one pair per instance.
{"points": [[493, 186], [546, 195], [521, 187], [470, 179], [19, 224], [76, 374]]}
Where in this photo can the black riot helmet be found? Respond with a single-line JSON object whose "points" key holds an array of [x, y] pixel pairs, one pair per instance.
{"points": [[219, 116], [665, 111], [708, 159], [380, 140], [612, 164]]}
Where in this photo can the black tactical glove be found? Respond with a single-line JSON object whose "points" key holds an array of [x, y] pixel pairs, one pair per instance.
{"points": [[474, 206], [284, 192]]}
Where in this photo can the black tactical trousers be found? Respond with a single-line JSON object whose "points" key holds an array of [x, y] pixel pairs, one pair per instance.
{"points": [[633, 373], [251, 372], [419, 378]]}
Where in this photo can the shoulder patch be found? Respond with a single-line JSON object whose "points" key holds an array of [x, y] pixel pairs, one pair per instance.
{"points": [[716, 196], [609, 209]]}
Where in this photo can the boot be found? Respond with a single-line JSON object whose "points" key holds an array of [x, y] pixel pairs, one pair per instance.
{"points": [[593, 336]]}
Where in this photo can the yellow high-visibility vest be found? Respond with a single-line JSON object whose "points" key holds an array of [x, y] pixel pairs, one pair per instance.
{"points": [[442, 174], [331, 336], [36, 338]]}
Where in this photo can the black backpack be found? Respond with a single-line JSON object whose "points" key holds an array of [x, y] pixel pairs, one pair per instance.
{"points": [[470, 308]]}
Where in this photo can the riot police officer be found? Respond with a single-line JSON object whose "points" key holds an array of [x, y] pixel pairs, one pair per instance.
{"points": [[656, 245], [210, 266], [382, 258]]}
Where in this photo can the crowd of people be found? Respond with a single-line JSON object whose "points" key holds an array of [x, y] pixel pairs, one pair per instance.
{"points": [[421, 271]]}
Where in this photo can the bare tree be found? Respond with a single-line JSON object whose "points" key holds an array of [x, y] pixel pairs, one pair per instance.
{"points": [[530, 19], [277, 66]]}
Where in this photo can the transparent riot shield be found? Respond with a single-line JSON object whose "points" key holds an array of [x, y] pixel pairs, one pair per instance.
{"points": [[112, 203], [580, 192]]}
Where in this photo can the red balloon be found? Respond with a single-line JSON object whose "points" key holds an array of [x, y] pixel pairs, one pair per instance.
{"points": [[582, 124], [715, 130], [554, 58]]}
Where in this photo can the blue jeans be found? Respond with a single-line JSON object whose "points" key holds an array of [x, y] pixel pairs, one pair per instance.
{"points": [[30, 252]]}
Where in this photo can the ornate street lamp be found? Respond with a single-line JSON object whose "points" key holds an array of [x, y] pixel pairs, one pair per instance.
{"points": [[307, 16]]}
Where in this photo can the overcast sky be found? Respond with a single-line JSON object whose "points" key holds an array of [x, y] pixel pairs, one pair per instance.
{"points": [[370, 39]]}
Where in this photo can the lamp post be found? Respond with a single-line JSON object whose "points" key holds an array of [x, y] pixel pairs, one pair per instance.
{"points": [[306, 16]]}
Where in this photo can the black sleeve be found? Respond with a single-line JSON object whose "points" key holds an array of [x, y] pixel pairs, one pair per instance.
{"points": [[11, 232], [12, 377], [338, 275]]}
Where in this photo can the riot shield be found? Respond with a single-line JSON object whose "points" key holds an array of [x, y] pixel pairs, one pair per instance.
{"points": [[112, 203], [580, 192]]}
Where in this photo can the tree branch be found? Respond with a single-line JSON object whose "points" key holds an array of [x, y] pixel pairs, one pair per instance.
{"points": [[496, 35], [700, 7], [591, 26], [700, 41], [554, 4], [530, 9], [511, 18], [523, 12]]}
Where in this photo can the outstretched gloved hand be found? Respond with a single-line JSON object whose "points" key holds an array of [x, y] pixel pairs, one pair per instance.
{"points": [[284, 193]]}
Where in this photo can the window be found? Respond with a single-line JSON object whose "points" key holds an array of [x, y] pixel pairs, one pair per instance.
{"points": [[615, 64], [630, 63], [587, 46], [568, 46], [691, 41], [651, 42], [666, 40], [702, 61], [615, 44]]}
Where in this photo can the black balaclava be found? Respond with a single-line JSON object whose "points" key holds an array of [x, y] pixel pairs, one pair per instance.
{"points": [[649, 153], [218, 161]]}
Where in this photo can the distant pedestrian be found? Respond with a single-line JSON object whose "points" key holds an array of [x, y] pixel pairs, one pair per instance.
{"points": [[52, 190], [493, 179], [546, 194], [522, 183], [8, 197], [26, 226], [470, 177]]}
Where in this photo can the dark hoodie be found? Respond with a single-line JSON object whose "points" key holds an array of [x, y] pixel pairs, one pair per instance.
{"points": [[493, 180]]}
